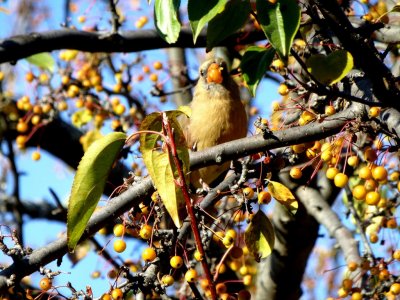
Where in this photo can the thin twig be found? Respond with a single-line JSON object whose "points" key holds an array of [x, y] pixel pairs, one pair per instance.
{"points": [[115, 17]]}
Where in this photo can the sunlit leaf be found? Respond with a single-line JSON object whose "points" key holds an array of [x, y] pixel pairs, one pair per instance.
{"points": [[280, 22], [332, 68], [43, 60], [283, 195], [254, 65], [230, 20], [159, 162], [201, 12], [260, 236], [89, 182], [166, 19]]}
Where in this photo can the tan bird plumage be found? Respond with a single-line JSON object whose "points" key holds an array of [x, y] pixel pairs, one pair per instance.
{"points": [[218, 116]]}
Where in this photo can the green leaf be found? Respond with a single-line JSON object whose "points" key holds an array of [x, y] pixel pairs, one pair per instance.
{"points": [[89, 182], [254, 64], [260, 236], [166, 19], [283, 195], [280, 22], [43, 60], [230, 20], [159, 162], [201, 12], [332, 68]]}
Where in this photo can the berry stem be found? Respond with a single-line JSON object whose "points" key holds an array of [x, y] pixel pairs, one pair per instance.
{"points": [[182, 184]]}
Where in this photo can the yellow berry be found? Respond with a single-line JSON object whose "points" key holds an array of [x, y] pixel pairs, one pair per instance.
{"points": [[145, 232], [167, 280], [374, 112], [191, 275], [197, 255], [379, 173], [331, 173], [119, 246], [176, 262], [283, 89], [295, 173], [36, 155], [340, 180], [248, 192], [353, 161], [118, 230], [149, 254], [157, 65], [372, 198]]}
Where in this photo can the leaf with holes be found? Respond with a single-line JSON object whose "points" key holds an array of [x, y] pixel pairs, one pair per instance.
{"points": [[283, 195], [280, 22], [260, 236], [89, 182], [159, 162]]}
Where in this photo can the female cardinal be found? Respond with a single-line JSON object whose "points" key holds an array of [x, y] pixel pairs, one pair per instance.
{"points": [[218, 116]]}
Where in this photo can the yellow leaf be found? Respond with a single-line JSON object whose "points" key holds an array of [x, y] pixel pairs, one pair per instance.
{"points": [[283, 195], [260, 236], [90, 137]]}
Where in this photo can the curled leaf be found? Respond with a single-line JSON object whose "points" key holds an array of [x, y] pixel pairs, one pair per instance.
{"points": [[283, 195], [260, 236], [89, 182], [43, 60]]}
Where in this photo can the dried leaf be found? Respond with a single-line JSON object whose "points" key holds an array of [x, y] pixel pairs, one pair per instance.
{"points": [[283, 195]]}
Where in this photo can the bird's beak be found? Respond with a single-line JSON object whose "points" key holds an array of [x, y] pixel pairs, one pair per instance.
{"points": [[214, 73]]}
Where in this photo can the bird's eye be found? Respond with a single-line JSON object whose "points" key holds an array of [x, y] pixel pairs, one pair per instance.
{"points": [[202, 73]]}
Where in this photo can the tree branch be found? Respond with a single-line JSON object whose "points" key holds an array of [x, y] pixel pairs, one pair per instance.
{"points": [[14, 48]]}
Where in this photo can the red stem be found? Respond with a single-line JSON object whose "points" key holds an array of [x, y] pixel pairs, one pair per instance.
{"points": [[193, 222]]}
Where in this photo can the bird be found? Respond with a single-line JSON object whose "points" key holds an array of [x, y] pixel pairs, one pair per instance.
{"points": [[217, 116]]}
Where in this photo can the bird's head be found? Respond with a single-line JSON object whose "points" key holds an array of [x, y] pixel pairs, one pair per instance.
{"points": [[214, 75]]}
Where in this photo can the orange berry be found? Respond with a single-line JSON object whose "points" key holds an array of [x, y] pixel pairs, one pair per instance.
{"points": [[365, 173], [146, 231], [149, 254], [391, 223], [347, 284], [295, 173], [359, 192], [352, 266], [45, 284], [236, 252], [117, 294], [119, 246], [330, 110], [29, 77], [36, 155], [264, 197], [373, 238], [384, 275], [157, 65], [370, 185], [191, 275], [374, 112], [214, 74], [176, 262], [379, 173], [248, 192], [244, 295], [62, 106], [340, 180], [372, 198], [395, 288], [300, 148], [221, 288]]}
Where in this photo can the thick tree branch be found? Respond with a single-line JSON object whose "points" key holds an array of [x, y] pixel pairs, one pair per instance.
{"points": [[14, 48]]}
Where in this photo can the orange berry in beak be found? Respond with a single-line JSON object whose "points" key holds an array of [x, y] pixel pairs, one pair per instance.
{"points": [[214, 73]]}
